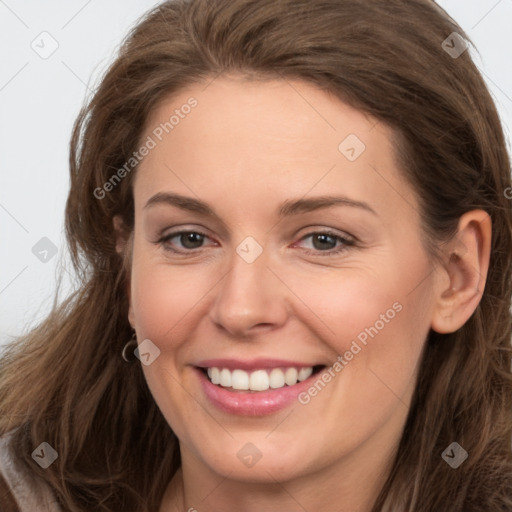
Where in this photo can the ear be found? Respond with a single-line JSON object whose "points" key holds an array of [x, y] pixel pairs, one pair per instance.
{"points": [[122, 238], [465, 272], [120, 234]]}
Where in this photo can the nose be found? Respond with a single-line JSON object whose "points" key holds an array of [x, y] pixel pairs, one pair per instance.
{"points": [[249, 298]]}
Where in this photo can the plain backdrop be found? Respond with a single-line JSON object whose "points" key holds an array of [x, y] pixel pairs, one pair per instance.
{"points": [[51, 55]]}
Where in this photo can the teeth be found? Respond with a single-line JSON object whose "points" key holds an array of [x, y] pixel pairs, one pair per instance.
{"points": [[239, 380], [276, 378], [258, 380], [304, 373], [225, 378], [214, 374], [290, 376]]}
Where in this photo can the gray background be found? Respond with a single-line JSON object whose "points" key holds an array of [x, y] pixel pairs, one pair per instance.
{"points": [[40, 98]]}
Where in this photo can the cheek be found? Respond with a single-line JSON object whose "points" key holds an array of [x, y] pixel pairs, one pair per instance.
{"points": [[377, 325], [346, 304], [377, 320], [163, 301], [163, 296]]}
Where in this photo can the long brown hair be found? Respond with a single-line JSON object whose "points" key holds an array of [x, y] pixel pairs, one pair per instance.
{"points": [[65, 382]]}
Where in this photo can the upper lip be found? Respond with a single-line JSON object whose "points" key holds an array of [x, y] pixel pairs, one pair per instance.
{"points": [[252, 364]]}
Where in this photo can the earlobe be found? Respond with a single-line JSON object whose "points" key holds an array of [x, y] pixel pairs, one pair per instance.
{"points": [[467, 256]]}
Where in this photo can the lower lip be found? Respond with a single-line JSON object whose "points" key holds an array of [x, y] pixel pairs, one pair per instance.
{"points": [[258, 403]]}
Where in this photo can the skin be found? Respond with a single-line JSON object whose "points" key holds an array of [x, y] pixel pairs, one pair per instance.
{"points": [[245, 149]]}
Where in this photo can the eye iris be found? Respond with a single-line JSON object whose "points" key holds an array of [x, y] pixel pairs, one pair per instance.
{"points": [[196, 238], [323, 238]]}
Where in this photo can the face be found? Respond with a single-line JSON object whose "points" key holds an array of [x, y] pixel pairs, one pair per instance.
{"points": [[253, 276]]}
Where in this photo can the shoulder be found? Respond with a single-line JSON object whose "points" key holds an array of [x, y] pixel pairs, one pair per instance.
{"points": [[30, 493]]}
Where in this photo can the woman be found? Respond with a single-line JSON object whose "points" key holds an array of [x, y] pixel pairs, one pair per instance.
{"points": [[292, 228]]}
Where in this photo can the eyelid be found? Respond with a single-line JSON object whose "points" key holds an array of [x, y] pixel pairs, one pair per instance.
{"points": [[346, 239], [317, 230], [181, 231]]}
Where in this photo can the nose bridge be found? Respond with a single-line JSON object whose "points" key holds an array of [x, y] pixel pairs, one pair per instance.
{"points": [[249, 294]]}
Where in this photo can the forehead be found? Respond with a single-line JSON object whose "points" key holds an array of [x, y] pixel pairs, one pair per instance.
{"points": [[267, 137], [276, 112]]}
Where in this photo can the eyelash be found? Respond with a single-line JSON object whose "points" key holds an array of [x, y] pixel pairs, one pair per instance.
{"points": [[347, 242]]}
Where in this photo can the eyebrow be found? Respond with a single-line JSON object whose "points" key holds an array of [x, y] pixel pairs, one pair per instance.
{"points": [[287, 209]]}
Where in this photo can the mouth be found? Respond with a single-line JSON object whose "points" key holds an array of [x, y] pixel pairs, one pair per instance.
{"points": [[259, 380], [256, 387]]}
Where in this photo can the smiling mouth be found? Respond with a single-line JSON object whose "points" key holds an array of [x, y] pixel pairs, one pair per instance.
{"points": [[259, 380]]}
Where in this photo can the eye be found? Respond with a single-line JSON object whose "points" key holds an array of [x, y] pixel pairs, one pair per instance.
{"points": [[324, 243], [189, 241]]}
